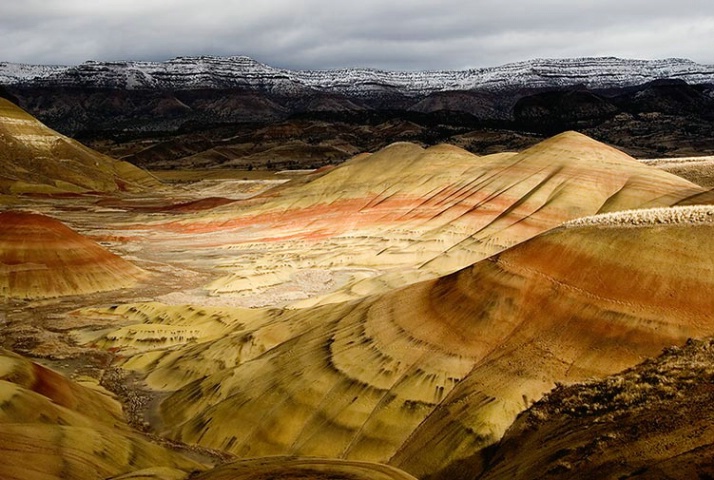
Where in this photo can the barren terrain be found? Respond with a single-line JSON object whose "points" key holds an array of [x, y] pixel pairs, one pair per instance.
{"points": [[389, 317]]}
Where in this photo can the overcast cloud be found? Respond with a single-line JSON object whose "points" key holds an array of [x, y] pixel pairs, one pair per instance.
{"points": [[396, 35]]}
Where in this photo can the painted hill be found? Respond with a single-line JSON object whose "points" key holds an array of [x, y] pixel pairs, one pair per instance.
{"points": [[591, 299], [36, 159], [41, 257], [427, 376], [413, 214], [651, 421], [52, 428], [389, 368]]}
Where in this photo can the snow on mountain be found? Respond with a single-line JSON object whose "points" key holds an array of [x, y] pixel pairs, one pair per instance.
{"points": [[207, 72], [11, 73]]}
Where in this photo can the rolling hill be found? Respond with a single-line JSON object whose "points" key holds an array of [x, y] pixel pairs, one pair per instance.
{"points": [[40, 257], [442, 366], [406, 213], [417, 301], [37, 159], [53, 428]]}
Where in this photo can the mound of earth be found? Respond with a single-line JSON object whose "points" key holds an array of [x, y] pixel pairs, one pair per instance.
{"points": [[53, 428], [699, 170], [36, 159], [41, 257], [578, 302], [412, 214], [286, 468]]}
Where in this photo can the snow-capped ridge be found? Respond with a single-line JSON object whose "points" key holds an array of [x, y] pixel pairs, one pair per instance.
{"points": [[206, 71]]}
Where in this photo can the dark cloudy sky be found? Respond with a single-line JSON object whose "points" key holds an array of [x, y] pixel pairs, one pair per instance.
{"points": [[390, 34]]}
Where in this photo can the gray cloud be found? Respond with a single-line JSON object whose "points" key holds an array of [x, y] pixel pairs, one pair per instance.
{"points": [[416, 34]]}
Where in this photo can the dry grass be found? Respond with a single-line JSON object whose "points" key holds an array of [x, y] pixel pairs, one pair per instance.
{"points": [[661, 162], [686, 215], [667, 377], [699, 170]]}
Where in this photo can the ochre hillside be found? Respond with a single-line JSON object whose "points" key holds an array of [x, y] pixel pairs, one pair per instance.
{"points": [[576, 303], [52, 428], [36, 159], [41, 257], [426, 376], [417, 213]]}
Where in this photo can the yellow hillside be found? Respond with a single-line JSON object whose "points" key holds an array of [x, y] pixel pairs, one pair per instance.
{"points": [[303, 468], [36, 159], [415, 302], [52, 428]]}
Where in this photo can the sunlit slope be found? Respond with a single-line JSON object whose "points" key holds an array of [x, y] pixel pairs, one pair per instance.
{"points": [[41, 257], [36, 159], [427, 375], [52, 428], [419, 213], [651, 421]]}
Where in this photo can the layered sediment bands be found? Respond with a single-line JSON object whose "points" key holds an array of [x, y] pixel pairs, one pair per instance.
{"points": [[41, 257], [426, 376], [653, 421], [36, 159], [423, 213], [213, 338], [590, 301], [53, 428], [303, 468]]}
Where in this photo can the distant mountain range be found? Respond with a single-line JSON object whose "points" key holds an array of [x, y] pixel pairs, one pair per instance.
{"points": [[646, 107], [208, 72]]}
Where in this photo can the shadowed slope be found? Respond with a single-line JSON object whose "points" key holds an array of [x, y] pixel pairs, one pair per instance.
{"points": [[287, 468], [41, 257], [703, 198], [52, 428], [426, 376], [36, 159], [418, 213], [653, 421]]}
